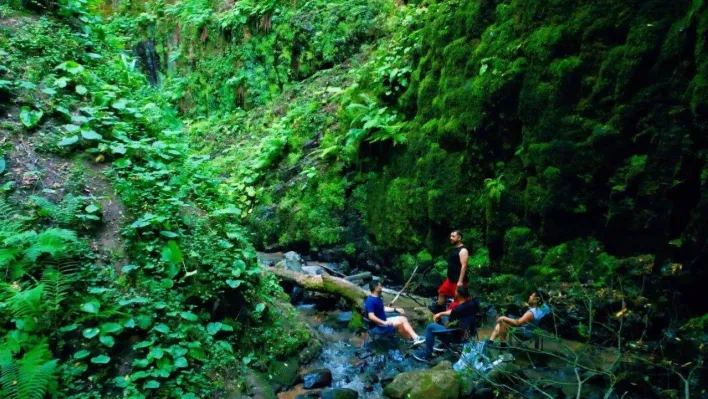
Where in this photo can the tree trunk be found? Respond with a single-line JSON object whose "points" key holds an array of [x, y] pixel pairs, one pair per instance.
{"points": [[324, 283]]}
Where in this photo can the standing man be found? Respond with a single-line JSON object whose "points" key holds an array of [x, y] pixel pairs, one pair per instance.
{"points": [[456, 271]]}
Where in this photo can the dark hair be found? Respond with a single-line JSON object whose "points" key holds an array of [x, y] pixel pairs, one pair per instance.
{"points": [[540, 296], [373, 284], [463, 291], [459, 233]]}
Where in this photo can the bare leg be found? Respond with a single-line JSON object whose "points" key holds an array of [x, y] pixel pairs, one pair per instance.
{"points": [[499, 331], [441, 299], [405, 329]]}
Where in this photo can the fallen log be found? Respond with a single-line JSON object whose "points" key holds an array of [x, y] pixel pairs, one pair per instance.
{"points": [[361, 277], [323, 283]]}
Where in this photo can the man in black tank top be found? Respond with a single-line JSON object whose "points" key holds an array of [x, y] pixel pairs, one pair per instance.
{"points": [[456, 271]]}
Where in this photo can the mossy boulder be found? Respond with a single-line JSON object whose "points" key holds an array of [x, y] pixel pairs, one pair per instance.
{"points": [[440, 382]]}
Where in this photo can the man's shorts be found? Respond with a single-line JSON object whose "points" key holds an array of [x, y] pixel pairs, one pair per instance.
{"points": [[448, 288]]}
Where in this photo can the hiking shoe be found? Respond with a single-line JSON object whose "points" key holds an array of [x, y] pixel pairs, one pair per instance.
{"points": [[439, 348], [422, 356], [415, 342]]}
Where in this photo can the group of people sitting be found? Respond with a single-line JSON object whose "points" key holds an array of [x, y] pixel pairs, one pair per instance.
{"points": [[457, 322]]}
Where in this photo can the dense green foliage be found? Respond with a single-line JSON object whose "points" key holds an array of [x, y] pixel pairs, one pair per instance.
{"points": [[173, 305], [564, 138]]}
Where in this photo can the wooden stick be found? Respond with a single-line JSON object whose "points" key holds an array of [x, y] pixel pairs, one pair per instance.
{"points": [[404, 287]]}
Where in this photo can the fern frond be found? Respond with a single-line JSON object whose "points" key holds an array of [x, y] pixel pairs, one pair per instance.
{"points": [[29, 377], [51, 241], [22, 303]]}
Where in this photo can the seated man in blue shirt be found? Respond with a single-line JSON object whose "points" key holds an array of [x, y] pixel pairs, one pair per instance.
{"points": [[376, 312]]}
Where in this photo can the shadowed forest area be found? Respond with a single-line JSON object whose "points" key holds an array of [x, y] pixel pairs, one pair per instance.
{"points": [[176, 178]]}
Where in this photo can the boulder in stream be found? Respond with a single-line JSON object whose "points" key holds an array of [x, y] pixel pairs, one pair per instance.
{"points": [[439, 382], [317, 378]]}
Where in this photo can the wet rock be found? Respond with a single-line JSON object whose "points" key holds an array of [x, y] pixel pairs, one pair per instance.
{"points": [[363, 354], [395, 355], [344, 318], [258, 387], [318, 378], [440, 382], [297, 295], [344, 267], [368, 388], [293, 261], [339, 393]]}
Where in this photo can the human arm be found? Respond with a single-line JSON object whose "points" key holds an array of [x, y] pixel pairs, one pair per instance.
{"points": [[464, 256], [441, 314], [526, 318], [392, 309]]}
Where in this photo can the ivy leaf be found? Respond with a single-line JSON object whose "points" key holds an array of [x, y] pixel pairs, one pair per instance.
{"points": [[72, 67], [91, 135], [67, 141], [233, 283], [102, 359], [180, 362], [81, 354], [61, 82], [90, 332], [189, 316], [120, 104], [71, 128], [91, 307], [171, 253], [30, 117], [81, 90], [162, 328], [110, 328], [107, 340], [213, 328]]}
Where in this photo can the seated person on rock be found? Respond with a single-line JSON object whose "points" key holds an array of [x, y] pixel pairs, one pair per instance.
{"points": [[462, 322], [527, 323], [376, 312]]}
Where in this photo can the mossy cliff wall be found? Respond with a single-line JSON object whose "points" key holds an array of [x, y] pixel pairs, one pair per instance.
{"points": [[537, 127]]}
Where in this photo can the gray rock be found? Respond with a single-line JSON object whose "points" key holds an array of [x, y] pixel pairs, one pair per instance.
{"points": [[293, 261], [318, 378]]}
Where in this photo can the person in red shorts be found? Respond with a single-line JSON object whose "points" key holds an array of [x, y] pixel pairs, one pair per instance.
{"points": [[456, 271]]}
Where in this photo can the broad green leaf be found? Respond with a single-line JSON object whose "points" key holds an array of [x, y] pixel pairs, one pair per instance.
{"points": [[101, 359], [128, 268], [72, 67], [213, 328], [110, 328], [70, 327], [171, 253], [152, 384], [81, 354], [91, 208], [91, 307], [67, 141], [49, 91], [61, 82], [156, 353], [260, 307], [169, 234], [107, 340], [30, 117], [71, 128], [162, 328], [122, 163], [119, 149], [180, 362], [189, 316], [143, 344], [90, 332], [226, 327], [233, 283], [120, 104], [91, 135], [81, 90]]}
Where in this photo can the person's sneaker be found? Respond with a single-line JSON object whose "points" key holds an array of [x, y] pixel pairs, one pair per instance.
{"points": [[422, 356], [415, 342], [439, 348]]}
